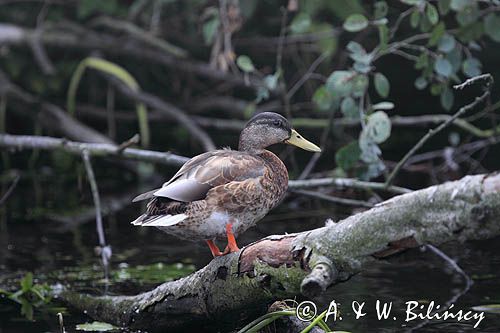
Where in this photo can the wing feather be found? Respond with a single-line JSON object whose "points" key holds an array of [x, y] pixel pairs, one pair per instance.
{"points": [[206, 171]]}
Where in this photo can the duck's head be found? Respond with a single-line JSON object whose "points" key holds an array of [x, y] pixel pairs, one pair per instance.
{"points": [[268, 128]]}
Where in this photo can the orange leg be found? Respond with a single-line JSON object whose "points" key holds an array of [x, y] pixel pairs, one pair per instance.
{"points": [[231, 240], [214, 249]]}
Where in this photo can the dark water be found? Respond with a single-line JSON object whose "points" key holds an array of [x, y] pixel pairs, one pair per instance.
{"points": [[65, 250]]}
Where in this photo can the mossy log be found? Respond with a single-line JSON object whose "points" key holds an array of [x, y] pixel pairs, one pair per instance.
{"points": [[284, 266]]}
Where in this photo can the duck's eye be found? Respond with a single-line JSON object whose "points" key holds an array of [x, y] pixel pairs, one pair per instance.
{"points": [[277, 123]]}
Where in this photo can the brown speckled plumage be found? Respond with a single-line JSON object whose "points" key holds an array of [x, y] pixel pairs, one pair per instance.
{"points": [[224, 187]]}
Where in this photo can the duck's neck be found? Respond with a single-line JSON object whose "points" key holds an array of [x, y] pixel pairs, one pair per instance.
{"points": [[251, 143]]}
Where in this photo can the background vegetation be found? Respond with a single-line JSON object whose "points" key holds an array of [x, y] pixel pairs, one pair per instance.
{"points": [[367, 80]]}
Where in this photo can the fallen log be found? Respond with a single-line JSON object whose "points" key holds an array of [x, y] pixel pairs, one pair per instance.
{"points": [[307, 263]]}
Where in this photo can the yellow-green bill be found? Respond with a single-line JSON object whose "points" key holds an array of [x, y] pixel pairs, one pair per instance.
{"points": [[298, 140]]}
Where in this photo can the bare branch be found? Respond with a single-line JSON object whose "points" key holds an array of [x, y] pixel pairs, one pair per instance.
{"points": [[169, 110], [105, 250], [9, 191], [342, 201], [94, 149], [436, 130]]}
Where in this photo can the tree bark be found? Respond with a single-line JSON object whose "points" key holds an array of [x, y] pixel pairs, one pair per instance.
{"points": [[279, 267]]}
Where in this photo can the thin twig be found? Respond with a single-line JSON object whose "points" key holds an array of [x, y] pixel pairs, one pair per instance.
{"points": [[474, 79], [469, 148], [132, 141], [307, 75], [39, 53], [105, 250], [61, 322], [345, 183], [400, 19], [343, 201], [450, 120], [10, 190]]}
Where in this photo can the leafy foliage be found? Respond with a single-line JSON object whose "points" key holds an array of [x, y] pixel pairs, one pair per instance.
{"points": [[30, 295], [444, 37]]}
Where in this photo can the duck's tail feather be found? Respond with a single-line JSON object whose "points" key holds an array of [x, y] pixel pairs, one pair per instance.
{"points": [[159, 220], [145, 196]]}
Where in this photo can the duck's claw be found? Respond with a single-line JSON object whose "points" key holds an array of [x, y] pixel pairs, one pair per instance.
{"points": [[214, 249], [231, 243]]}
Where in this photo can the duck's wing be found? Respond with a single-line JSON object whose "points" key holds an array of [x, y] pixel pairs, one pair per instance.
{"points": [[206, 171]]}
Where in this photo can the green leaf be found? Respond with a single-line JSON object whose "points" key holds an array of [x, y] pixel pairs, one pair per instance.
{"points": [[422, 61], [421, 83], [458, 5], [446, 98], [300, 23], [27, 282], [27, 309], [425, 24], [383, 36], [370, 151], [359, 85], [245, 63], [355, 48], [471, 67], [437, 33], [381, 9], [378, 127], [349, 108], [271, 80], [446, 43], [444, 6], [362, 67], [95, 326], [328, 44], [383, 106], [432, 13], [262, 94], [209, 30], [372, 170], [382, 85], [347, 156], [355, 22], [323, 98], [340, 84], [436, 89], [415, 18], [443, 67], [492, 26], [455, 58], [365, 58], [471, 32], [468, 15]]}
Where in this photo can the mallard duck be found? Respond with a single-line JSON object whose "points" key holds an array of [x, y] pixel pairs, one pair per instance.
{"points": [[220, 194]]}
